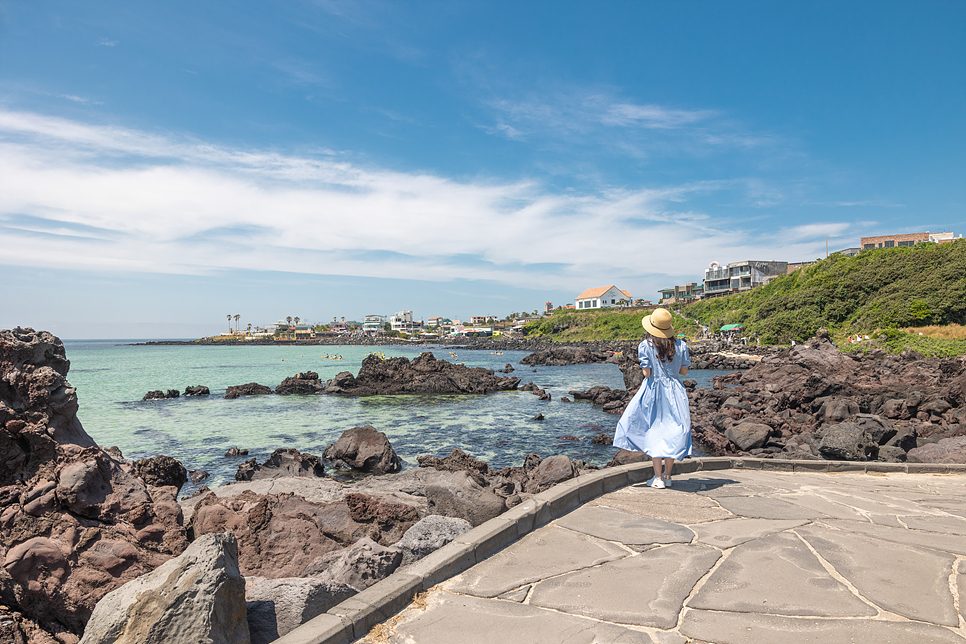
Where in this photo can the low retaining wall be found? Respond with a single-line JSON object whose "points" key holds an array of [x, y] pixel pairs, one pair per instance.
{"points": [[354, 617]]}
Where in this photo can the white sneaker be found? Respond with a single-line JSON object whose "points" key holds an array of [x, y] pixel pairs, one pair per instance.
{"points": [[667, 482], [656, 481]]}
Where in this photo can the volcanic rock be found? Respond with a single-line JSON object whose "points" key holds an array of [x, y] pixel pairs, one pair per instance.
{"points": [[157, 394], [748, 436], [430, 534], [602, 439], [552, 470], [198, 596], [847, 442], [364, 449], [458, 461], [282, 462], [302, 384], [562, 356], [359, 566], [235, 451], [249, 389], [458, 495], [425, 374], [160, 471], [277, 606], [198, 390], [946, 450]]}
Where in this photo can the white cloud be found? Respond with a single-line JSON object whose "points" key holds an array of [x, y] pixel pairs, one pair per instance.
{"points": [[77, 196], [107, 43]]}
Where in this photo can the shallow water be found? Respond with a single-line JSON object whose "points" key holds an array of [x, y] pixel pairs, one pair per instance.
{"points": [[111, 379]]}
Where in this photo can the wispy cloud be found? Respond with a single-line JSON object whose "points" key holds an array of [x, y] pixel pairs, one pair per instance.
{"points": [[111, 198], [107, 43], [80, 99]]}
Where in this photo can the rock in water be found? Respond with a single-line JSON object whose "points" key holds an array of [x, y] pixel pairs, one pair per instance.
{"points": [[196, 597], [424, 375], [197, 390], [430, 534], [365, 449], [277, 606], [249, 389], [302, 384], [282, 462]]}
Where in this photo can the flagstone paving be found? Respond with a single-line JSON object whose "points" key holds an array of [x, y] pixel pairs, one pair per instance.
{"points": [[728, 557]]}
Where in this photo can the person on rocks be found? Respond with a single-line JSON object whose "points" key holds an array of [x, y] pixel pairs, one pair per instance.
{"points": [[657, 421]]}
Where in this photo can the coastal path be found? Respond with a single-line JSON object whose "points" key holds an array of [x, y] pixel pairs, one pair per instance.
{"points": [[738, 551]]}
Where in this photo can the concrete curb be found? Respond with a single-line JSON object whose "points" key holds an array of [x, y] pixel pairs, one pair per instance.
{"points": [[354, 617]]}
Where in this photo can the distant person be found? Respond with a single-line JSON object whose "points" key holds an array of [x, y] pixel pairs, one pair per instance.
{"points": [[657, 421]]}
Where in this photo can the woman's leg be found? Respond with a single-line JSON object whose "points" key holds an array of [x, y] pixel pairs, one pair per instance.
{"points": [[666, 471], [658, 464]]}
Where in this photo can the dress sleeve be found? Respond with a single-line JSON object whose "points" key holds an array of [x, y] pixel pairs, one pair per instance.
{"points": [[685, 355], [644, 355]]}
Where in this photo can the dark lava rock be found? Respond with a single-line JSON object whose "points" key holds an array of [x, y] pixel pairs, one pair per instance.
{"points": [[76, 522], [198, 390], [282, 462], [249, 389], [946, 450], [197, 476], [552, 470], [365, 449], [564, 399], [562, 356], [157, 394], [424, 375], [538, 417], [160, 471], [507, 369], [235, 451], [602, 439], [625, 457], [458, 461], [568, 438], [301, 384], [457, 494], [748, 436], [847, 442]]}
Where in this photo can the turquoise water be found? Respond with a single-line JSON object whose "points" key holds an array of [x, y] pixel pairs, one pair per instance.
{"points": [[111, 379]]}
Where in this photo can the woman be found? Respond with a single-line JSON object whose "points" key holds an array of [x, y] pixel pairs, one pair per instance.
{"points": [[657, 421]]}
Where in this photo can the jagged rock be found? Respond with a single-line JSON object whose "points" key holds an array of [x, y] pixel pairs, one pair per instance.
{"points": [[160, 471], [198, 596], [507, 369], [425, 374], [75, 523], [458, 461], [430, 534], [847, 442], [946, 450], [562, 356], [568, 438], [277, 606], [748, 436], [552, 470], [459, 495], [365, 449], [249, 389], [835, 409], [302, 384], [359, 566], [625, 457], [602, 439], [282, 462], [538, 417], [198, 390], [234, 451], [197, 476], [564, 399]]}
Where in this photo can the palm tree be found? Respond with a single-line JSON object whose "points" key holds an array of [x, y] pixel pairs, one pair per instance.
{"points": [[249, 330], [343, 318], [296, 319], [229, 323], [237, 317]]}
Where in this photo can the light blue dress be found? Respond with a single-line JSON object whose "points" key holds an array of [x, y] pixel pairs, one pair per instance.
{"points": [[657, 421]]}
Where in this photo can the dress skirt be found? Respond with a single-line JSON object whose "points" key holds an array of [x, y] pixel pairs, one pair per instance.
{"points": [[657, 421]]}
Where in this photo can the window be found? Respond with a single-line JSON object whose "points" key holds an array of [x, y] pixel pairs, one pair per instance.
{"points": [[890, 244], [906, 244], [868, 246]]}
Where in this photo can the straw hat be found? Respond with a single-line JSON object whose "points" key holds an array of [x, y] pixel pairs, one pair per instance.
{"points": [[658, 324]]}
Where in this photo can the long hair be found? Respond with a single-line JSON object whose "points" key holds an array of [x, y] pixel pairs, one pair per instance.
{"points": [[665, 346]]}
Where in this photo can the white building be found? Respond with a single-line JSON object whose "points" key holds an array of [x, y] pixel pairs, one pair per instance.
{"points": [[481, 319], [373, 324], [402, 322], [602, 297]]}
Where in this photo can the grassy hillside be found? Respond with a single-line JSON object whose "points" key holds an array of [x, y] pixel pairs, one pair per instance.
{"points": [[599, 324], [880, 289]]}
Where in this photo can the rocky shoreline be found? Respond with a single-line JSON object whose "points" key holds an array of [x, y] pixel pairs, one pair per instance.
{"points": [[289, 539]]}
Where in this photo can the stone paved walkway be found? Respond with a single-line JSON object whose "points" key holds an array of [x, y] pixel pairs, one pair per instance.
{"points": [[729, 557]]}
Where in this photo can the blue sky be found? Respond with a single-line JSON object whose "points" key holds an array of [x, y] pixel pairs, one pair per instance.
{"points": [[163, 164]]}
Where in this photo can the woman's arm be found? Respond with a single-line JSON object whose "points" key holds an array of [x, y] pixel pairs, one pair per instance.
{"points": [[647, 372], [684, 371]]}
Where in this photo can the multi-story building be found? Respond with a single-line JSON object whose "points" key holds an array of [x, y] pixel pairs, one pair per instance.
{"points": [[738, 277], [402, 322], [373, 324], [907, 239], [481, 319], [682, 294]]}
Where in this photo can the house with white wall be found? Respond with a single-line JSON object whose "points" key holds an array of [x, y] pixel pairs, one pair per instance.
{"points": [[602, 297]]}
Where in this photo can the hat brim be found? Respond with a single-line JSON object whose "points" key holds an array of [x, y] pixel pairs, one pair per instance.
{"points": [[653, 330]]}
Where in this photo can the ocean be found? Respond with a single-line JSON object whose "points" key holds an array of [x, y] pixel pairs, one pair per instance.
{"points": [[111, 377]]}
